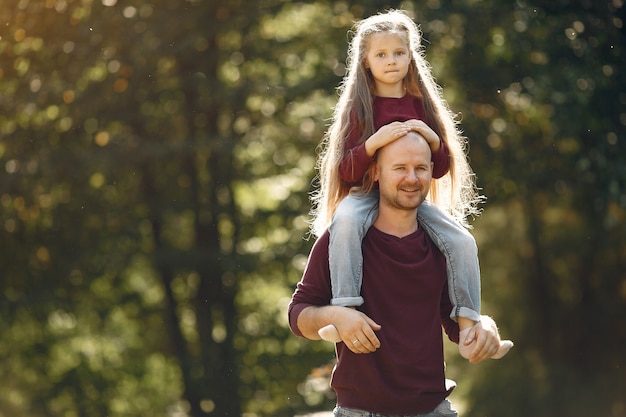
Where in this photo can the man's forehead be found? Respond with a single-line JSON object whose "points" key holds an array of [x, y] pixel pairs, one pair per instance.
{"points": [[405, 148]]}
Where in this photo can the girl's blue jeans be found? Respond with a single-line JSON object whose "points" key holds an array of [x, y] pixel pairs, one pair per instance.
{"points": [[443, 410], [356, 214]]}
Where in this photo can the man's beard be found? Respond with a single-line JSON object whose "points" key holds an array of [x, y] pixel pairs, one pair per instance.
{"points": [[400, 202]]}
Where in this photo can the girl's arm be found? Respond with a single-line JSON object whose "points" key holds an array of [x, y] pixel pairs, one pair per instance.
{"points": [[423, 129], [385, 135], [440, 152], [358, 157]]}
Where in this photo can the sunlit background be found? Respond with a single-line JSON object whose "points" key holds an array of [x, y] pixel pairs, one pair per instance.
{"points": [[156, 161]]}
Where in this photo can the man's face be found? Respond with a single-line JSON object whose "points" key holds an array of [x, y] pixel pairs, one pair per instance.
{"points": [[404, 171]]}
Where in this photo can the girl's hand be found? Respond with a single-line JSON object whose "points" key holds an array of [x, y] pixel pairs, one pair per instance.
{"points": [[387, 134], [423, 129]]}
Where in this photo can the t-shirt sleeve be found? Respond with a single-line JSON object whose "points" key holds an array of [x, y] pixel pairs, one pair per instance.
{"points": [[441, 160], [314, 288]]}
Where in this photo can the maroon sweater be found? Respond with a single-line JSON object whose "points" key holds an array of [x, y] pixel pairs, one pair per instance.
{"points": [[405, 286], [386, 110]]}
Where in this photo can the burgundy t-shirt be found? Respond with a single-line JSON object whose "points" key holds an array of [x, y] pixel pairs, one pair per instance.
{"points": [[386, 110], [405, 291]]}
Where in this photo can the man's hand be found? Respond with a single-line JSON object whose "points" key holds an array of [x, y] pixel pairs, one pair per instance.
{"points": [[356, 330], [487, 338]]}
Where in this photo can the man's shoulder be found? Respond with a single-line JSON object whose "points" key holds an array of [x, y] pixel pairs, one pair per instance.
{"points": [[322, 241]]}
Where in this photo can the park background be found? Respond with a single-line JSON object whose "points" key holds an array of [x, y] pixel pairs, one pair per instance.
{"points": [[156, 160]]}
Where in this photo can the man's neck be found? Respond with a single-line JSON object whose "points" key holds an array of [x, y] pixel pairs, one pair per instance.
{"points": [[399, 223]]}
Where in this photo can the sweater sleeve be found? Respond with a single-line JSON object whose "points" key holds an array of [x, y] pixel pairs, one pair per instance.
{"points": [[355, 161], [450, 326], [354, 165], [314, 288], [441, 160]]}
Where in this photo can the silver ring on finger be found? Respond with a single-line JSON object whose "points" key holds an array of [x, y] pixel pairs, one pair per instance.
{"points": [[355, 341]]}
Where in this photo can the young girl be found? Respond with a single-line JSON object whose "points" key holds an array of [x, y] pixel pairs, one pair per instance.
{"points": [[388, 91]]}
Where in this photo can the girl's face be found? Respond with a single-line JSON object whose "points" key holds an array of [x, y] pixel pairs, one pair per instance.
{"points": [[388, 58]]}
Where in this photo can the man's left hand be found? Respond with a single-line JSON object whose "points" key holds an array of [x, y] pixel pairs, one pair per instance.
{"points": [[487, 338]]}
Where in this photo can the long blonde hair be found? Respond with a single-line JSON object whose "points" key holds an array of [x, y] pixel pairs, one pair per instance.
{"points": [[455, 192]]}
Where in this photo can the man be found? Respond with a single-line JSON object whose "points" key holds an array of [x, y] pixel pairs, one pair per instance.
{"points": [[390, 360]]}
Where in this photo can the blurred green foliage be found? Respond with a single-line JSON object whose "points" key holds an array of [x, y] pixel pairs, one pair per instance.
{"points": [[156, 160]]}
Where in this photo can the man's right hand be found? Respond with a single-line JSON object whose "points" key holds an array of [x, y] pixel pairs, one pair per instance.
{"points": [[357, 330]]}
